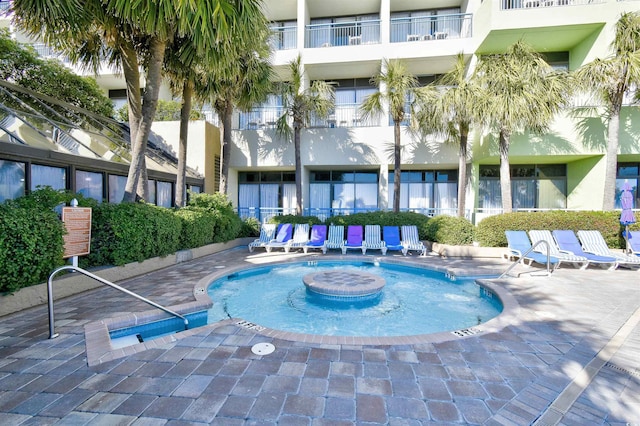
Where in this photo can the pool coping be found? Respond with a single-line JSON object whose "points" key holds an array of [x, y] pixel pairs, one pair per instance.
{"points": [[98, 341]]}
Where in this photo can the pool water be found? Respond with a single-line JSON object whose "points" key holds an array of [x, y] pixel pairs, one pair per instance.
{"points": [[414, 301]]}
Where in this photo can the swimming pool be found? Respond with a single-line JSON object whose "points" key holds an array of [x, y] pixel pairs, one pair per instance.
{"points": [[414, 301]]}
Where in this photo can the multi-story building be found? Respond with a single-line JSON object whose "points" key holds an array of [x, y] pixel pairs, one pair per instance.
{"points": [[347, 160]]}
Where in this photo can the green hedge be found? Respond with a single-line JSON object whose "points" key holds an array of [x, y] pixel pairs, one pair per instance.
{"points": [[452, 230], [31, 246], [490, 231], [198, 227]]}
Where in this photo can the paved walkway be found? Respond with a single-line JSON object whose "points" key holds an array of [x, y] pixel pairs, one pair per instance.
{"points": [[570, 355]]}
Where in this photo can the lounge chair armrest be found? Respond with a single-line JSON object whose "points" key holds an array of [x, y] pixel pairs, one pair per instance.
{"points": [[567, 252]]}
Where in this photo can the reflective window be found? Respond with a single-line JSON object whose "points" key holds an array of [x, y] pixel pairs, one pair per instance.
{"points": [[116, 188], [90, 185], [54, 177], [12, 180]]}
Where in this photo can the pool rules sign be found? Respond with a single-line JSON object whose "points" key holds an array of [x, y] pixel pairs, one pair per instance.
{"points": [[77, 220]]}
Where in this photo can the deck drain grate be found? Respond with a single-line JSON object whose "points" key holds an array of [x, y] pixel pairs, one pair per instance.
{"points": [[466, 332], [635, 373], [250, 326]]}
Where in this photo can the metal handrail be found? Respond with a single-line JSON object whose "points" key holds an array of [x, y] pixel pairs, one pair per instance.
{"points": [[522, 256], [53, 335]]}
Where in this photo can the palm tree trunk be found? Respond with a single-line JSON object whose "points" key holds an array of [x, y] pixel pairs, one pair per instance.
{"points": [[505, 172], [131, 73], [462, 169], [611, 161], [396, 166], [185, 112], [136, 178], [298, 160], [225, 114]]}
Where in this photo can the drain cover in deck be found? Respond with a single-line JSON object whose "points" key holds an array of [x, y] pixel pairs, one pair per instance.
{"points": [[263, 348]]}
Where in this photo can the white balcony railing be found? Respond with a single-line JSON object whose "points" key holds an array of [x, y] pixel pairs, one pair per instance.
{"points": [[284, 38], [343, 34], [529, 4], [436, 27], [343, 115]]}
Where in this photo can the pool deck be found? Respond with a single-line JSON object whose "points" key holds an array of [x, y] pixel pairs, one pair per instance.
{"points": [[566, 352]]}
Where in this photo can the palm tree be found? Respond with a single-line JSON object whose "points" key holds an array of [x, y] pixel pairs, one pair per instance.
{"points": [[132, 36], [450, 106], [522, 92], [299, 104], [611, 78], [395, 86]]}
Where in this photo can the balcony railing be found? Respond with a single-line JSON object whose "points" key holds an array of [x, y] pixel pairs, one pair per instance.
{"points": [[343, 34], [259, 118], [529, 4], [284, 38], [436, 27], [343, 115]]}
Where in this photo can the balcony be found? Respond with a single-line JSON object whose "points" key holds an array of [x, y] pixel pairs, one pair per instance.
{"points": [[284, 38], [528, 4], [437, 27], [343, 115], [343, 34], [4, 6]]}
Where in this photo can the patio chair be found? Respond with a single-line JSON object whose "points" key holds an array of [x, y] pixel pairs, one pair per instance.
{"points": [[391, 237], [354, 239], [372, 240], [411, 240], [634, 242], [283, 235], [563, 256], [335, 240], [267, 233], [300, 237], [318, 238], [518, 245], [567, 241], [593, 242]]}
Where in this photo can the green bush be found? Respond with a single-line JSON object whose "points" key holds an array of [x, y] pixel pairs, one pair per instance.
{"points": [[227, 224], [450, 230], [198, 227], [250, 228], [490, 231], [290, 218], [132, 232], [31, 246]]}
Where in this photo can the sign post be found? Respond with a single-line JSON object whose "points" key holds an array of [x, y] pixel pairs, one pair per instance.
{"points": [[77, 221]]}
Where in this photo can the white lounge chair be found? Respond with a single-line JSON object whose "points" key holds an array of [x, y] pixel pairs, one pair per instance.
{"points": [[300, 237], [411, 240], [267, 233], [372, 240], [567, 241], [593, 242], [335, 240], [562, 256]]}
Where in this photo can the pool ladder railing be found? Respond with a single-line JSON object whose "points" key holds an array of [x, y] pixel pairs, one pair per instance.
{"points": [[53, 335], [523, 255]]}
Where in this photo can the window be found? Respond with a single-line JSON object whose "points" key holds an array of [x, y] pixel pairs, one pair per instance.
{"points": [[164, 194], [541, 186], [628, 173], [54, 177], [116, 188], [90, 185], [342, 192], [12, 180], [427, 191], [266, 194]]}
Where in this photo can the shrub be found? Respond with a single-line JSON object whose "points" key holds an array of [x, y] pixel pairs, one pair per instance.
{"points": [[226, 223], [31, 246], [198, 227], [290, 218], [132, 232], [250, 228], [490, 231], [450, 230]]}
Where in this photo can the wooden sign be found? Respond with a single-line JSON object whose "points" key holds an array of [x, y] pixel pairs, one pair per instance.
{"points": [[77, 220]]}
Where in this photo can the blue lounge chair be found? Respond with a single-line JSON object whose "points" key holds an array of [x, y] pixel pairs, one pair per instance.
{"points": [[563, 256], [354, 239], [267, 233], [634, 242], [568, 241], [411, 240], [318, 238], [372, 239], [519, 244], [391, 236], [284, 234], [336, 238]]}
